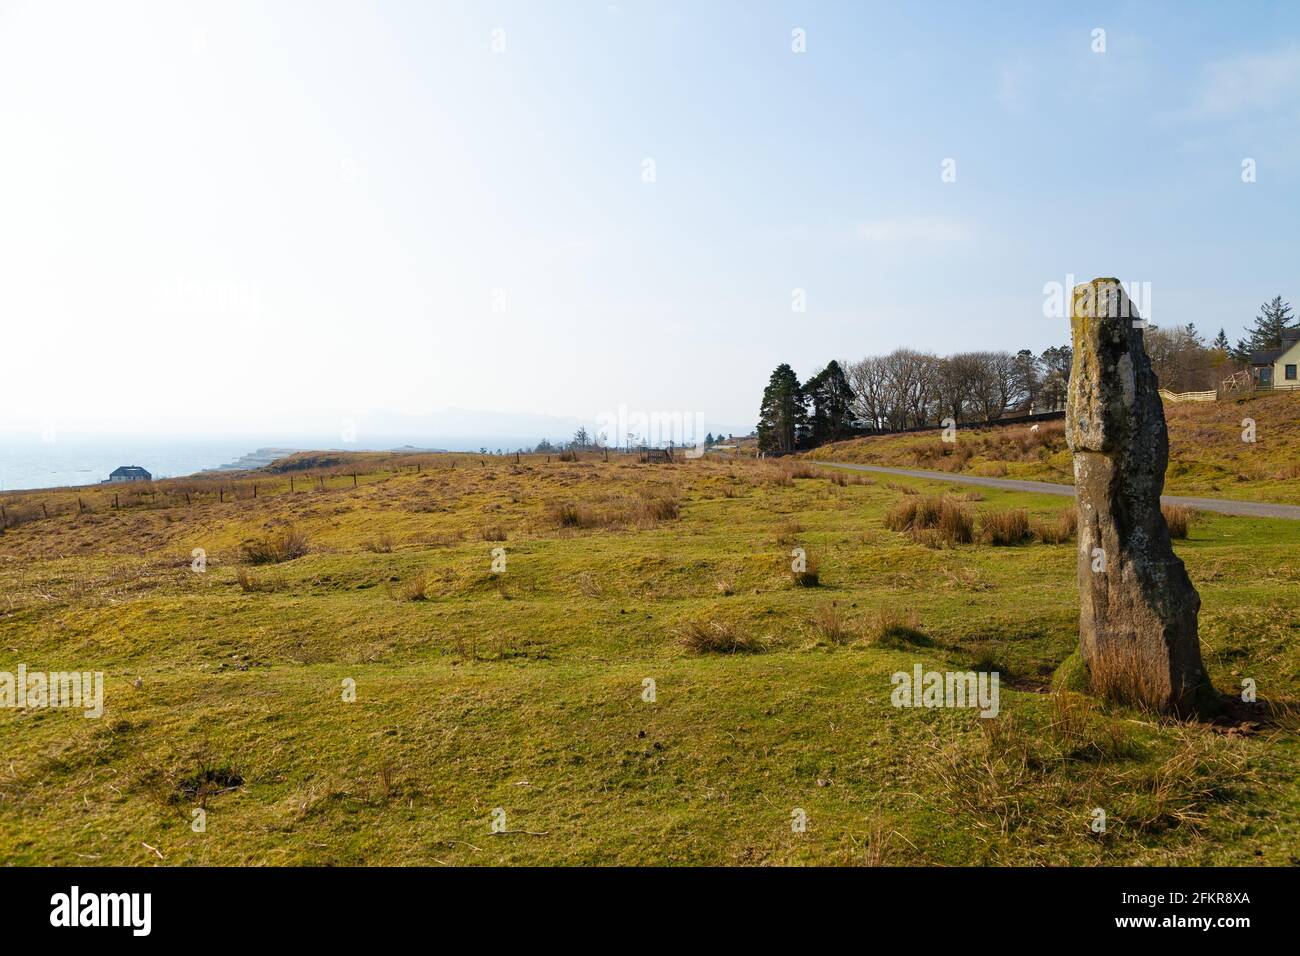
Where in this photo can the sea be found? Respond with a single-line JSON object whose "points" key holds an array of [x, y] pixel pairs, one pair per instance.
{"points": [[29, 465], [59, 464]]}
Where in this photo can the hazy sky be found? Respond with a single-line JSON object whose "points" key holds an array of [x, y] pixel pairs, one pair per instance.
{"points": [[254, 216]]}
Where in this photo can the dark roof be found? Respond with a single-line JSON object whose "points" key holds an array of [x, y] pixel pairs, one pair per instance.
{"points": [[130, 471], [1269, 356]]}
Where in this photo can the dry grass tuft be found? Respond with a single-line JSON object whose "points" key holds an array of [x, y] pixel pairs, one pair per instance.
{"points": [[877, 852], [890, 628], [275, 548], [1063, 529], [1083, 731], [567, 514], [932, 521], [1001, 528], [414, 588], [615, 512], [660, 509], [1178, 517], [788, 531], [717, 637], [250, 583], [1121, 675], [828, 625]]}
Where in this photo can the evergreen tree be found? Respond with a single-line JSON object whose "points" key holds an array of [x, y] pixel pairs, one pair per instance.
{"points": [[783, 416], [1026, 382], [1221, 342], [832, 402], [1274, 318]]}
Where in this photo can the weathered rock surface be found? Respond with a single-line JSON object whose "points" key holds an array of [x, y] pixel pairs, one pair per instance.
{"points": [[1137, 627]]}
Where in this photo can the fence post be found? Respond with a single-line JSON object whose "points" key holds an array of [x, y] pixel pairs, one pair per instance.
{"points": [[80, 507], [354, 479], [255, 490], [221, 492], [45, 509]]}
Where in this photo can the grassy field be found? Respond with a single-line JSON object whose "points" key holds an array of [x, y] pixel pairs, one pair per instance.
{"points": [[1207, 456], [520, 698]]}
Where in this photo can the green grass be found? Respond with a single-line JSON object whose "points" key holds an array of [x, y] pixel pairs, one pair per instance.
{"points": [[524, 691]]}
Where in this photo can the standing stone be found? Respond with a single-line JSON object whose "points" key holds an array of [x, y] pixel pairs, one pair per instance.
{"points": [[1137, 627]]}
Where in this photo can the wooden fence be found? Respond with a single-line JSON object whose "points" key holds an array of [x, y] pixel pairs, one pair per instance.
{"points": [[1207, 396]]}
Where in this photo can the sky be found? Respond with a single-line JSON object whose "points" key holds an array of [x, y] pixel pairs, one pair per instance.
{"points": [[267, 218]]}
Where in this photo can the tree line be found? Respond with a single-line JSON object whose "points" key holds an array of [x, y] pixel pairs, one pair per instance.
{"points": [[915, 389]]}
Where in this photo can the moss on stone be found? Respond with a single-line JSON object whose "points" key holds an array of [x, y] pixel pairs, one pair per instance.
{"points": [[1072, 675]]}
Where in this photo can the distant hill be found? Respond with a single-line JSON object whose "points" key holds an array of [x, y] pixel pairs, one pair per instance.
{"points": [[254, 459]]}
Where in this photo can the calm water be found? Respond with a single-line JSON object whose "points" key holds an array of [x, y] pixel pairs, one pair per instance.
{"points": [[59, 463], [63, 462]]}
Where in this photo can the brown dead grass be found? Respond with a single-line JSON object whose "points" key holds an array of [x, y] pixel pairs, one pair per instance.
{"points": [[275, 548], [717, 637], [932, 520], [1177, 517], [1063, 529], [1006, 527]]}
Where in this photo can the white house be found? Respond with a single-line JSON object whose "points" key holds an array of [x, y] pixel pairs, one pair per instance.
{"points": [[1279, 367]]}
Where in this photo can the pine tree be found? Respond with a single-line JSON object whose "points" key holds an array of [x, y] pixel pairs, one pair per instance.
{"points": [[783, 416], [832, 401], [1026, 382], [1221, 342], [1274, 319]]}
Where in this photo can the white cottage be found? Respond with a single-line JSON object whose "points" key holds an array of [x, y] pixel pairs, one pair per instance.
{"points": [[1279, 367]]}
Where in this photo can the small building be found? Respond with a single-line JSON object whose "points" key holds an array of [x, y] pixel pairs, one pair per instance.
{"points": [[130, 473], [1279, 367]]}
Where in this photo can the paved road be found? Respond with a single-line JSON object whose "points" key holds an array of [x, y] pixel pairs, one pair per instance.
{"points": [[1253, 509]]}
